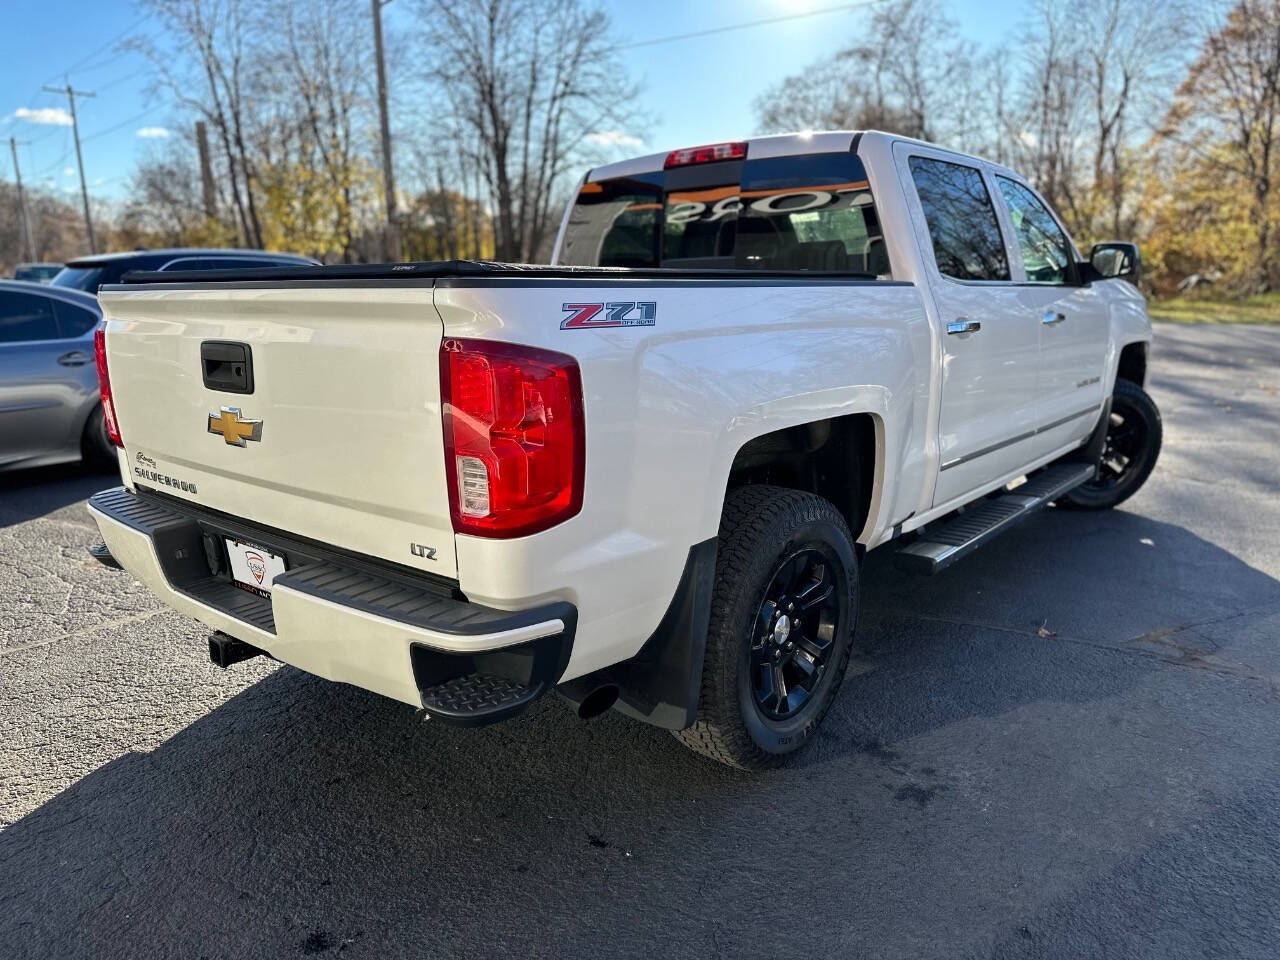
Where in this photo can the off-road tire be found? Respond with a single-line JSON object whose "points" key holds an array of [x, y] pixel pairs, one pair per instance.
{"points": [[1130, 402], [760, 526]]}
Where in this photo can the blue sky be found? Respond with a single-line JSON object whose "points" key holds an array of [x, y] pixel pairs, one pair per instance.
{"points": [[696, 90]]}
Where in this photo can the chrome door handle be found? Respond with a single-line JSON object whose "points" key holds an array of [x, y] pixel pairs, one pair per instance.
{"points": [[963, 326], [74, 359], [1050, 318]]}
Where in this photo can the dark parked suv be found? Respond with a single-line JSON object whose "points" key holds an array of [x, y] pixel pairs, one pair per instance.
{"points": [[89, 273]]}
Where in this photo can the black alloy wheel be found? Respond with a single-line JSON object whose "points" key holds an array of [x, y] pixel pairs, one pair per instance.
{"points": [[794, 632], [1132, 446], [783, 611]]}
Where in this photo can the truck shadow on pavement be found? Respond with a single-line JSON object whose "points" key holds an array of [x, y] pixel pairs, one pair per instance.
{"points": [[1012, 733]]}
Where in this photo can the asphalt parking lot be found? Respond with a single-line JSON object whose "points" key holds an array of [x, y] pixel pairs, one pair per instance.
{"points": [[1064, 746]]}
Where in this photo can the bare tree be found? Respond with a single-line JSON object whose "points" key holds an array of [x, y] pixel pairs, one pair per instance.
{"points": [[1132, 55], [900, 75], [1227, 113], [210, 39], [1047, 119], [57, 227], [320, 83], [526, 82], [165, 201]]}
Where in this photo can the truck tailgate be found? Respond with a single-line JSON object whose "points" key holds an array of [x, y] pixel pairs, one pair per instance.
{"points": [[350, 449]]}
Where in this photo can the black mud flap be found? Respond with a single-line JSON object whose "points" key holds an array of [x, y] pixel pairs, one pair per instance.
{"points": [[661, 684]]}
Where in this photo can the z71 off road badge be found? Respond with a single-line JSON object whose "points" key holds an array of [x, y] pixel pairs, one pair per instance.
{"points": [[620, 313]]}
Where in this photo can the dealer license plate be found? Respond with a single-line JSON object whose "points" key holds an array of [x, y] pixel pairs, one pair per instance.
{"points": [[252, 567]]}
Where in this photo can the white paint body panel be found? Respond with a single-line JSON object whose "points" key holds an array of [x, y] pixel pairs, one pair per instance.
{"points": [[347, 385], [352, 448], [668, 407]]}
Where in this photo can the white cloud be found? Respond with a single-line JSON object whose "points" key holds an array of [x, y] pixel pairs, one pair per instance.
{"points": [[614, 138], [49, 116], [68, 171], [153, 132]]}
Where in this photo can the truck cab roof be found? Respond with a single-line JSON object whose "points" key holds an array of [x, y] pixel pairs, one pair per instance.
{"points": [[776, 145]]}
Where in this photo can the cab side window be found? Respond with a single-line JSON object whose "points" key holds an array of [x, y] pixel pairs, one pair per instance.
{"points": [[966, 238], [1045, 250]]}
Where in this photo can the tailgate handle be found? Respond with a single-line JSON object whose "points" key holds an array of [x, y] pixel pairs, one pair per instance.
{"points": [[227, 366]]}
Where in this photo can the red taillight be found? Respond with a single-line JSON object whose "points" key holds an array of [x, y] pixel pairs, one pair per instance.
{"points": [[104, 386], [513, 437], [708, 154]]}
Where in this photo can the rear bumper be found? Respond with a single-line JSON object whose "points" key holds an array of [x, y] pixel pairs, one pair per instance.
{"points": [[345, 618]]}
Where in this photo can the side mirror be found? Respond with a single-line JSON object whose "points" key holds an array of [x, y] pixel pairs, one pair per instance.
{"points": [[1116, 260]]}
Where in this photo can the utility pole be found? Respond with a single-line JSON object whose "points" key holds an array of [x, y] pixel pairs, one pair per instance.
{"points": [[75, 130], [206, 171], [28, 245], [388, 180]]}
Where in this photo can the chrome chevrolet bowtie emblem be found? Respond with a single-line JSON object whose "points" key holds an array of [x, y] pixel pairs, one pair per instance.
{"points": [[233, 430]]}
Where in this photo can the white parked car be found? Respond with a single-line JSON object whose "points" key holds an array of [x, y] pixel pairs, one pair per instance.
{"points": [[646, 475]]}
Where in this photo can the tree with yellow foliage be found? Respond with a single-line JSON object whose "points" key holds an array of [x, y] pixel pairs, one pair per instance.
{"points": [[1218, 212]]}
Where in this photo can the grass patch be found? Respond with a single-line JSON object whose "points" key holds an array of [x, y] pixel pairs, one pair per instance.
{"points": [[1263, 308]]}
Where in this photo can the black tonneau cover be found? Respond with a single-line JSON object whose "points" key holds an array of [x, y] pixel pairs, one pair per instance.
{"points": [[471, 269]]}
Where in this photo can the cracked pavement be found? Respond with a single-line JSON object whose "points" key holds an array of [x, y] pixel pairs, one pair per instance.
{"points": [[1063, 746]]}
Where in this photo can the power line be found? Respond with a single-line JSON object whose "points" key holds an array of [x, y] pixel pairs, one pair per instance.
{"points": [[123, 123], [62, 158], [119, 80], [45, 136], [749, 24], [110, 60], [89, 56], [86, 58]]}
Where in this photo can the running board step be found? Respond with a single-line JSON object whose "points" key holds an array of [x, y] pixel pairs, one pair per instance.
{"points": [[939, 547]]}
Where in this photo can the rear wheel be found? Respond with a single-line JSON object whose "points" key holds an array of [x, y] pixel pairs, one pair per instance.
{"points": [[95, 446], [782, 616], [1129, 455]]}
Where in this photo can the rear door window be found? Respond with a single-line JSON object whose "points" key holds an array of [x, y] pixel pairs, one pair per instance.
{"points": [[963, 229], [25, 317]]}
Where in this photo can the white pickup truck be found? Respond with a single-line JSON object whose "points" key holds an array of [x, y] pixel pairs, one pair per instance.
{"points": [[646, 475]]}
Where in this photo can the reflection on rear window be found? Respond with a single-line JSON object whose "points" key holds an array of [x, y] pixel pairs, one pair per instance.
{"points": [[613, 224], [700, 227], [808, 213]]}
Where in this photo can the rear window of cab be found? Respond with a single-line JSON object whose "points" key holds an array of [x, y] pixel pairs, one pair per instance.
{"points": [[810, 213]]}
